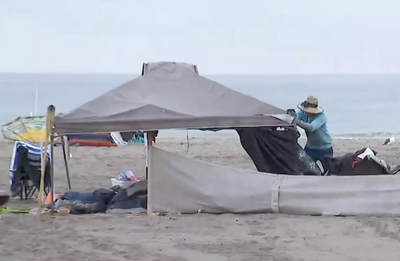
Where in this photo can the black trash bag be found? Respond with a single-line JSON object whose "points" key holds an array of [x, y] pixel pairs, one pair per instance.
{"points": [[135, 201], [134, 196], [307, 164]]}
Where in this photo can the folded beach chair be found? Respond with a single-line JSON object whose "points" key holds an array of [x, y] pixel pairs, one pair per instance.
{"points": [[25, 171]]}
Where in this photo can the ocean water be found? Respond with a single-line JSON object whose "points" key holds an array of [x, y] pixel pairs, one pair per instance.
{"points": [[363, 106]]}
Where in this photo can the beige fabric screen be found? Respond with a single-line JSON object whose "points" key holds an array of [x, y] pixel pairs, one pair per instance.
{"points": [[351, 195], [180, 184]]}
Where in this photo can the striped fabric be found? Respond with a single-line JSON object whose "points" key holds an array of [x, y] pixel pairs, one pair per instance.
{"points": [[30, 129], [34, 153]]}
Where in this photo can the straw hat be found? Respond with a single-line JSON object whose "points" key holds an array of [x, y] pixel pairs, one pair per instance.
{"points": [[310, 106]]}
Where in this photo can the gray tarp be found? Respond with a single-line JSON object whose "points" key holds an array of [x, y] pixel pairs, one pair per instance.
{"points": [[179, 184], [168, 96]]}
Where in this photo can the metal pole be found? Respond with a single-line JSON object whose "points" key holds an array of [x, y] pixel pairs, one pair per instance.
{"points": [[146, 152], [66, 162], [148, 168]]}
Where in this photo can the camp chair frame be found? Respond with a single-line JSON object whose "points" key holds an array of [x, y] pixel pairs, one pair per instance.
{"points": [[28, 189], [25, 168]]}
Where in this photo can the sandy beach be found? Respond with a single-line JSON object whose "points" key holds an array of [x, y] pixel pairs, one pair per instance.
{"points": [[192, 237]]}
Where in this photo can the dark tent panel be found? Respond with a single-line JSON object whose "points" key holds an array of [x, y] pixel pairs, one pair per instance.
{"points": [[272, 150]]}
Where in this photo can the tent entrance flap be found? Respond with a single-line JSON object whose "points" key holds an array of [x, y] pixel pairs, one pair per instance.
{"points": [[272, 149]]}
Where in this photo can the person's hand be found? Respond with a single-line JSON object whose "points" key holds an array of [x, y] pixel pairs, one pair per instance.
{"points": [[296, 121], [291, 112]]}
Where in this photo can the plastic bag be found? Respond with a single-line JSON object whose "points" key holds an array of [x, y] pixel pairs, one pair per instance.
{"points": [[307, 165]]}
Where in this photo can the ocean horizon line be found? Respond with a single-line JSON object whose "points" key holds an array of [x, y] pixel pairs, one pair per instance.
{"points": [[205, 74]]}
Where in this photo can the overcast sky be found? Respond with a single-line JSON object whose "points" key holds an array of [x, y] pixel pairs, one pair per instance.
{"points": [[220, 36]]}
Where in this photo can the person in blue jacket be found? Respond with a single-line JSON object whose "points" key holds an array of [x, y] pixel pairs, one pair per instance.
{"points": [[311, 118]]}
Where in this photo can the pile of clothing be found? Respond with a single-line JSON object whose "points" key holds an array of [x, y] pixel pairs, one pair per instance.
{"points": [[361, 162], [101, 200]]}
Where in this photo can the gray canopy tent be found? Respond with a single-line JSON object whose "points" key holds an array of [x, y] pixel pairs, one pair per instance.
{"points": [[169, 95]]}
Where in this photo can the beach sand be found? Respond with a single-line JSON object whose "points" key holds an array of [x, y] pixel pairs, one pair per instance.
{"points": [[189, 237]]}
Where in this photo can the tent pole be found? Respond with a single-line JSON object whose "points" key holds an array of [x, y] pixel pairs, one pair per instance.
{"points": [[149, 141], [65, 162], [148, 169]]}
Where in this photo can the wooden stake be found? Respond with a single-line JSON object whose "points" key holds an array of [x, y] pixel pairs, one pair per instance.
{"points": [[51, 110]]}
